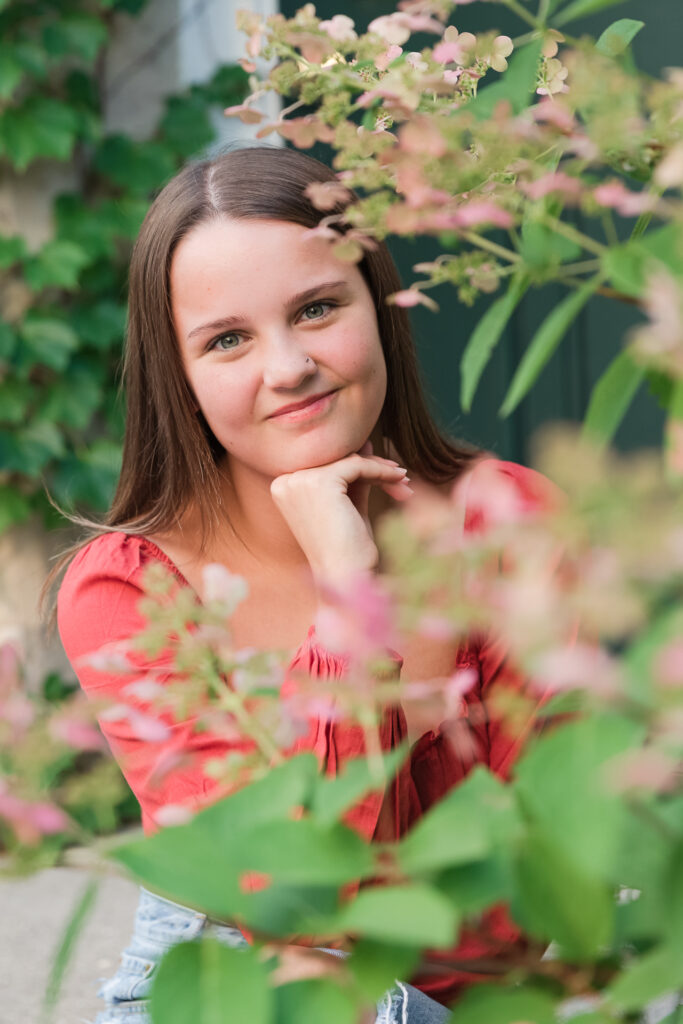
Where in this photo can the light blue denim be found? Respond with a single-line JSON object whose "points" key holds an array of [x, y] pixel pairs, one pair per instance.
{"points": [[160, 924]]}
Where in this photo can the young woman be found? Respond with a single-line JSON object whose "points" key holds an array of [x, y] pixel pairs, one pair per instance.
{"points": [[274, 412]]}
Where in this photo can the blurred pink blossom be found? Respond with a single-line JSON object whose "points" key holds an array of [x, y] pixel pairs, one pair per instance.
{"points": [[383, 61], [223, 587], [552, 111], [455, 47], [669, 172], [325, 195], [553, 79], [30, 820], [340, 28], [398, 27], [114, 657], [579, 666], [410, 297], [629, 204], [556, 181], [357, 619], [669, 664], [77, 732], [147, 728], [648, 768]]}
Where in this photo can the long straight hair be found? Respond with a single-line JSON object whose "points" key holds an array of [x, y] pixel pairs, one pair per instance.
{"points": [[170, 456]]}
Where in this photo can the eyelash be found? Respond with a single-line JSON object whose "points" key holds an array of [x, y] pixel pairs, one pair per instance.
{"points": [[213, 344]]}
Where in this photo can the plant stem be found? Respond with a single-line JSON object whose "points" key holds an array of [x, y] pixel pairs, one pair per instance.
{"points": [[492, 247], [542, 13], [517, 8], [585, 267], [574, 235], [609, 228]]}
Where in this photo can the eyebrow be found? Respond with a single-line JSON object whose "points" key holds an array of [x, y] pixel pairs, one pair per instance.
{"points": [[228, 322]]}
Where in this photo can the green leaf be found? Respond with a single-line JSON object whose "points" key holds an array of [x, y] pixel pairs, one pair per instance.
{"points": [[15, 400], [11, 251], [186, 125], [474, 888], [503, 1004], [208, 983], [485, 337], [628, 265], [88, 476], [543, 344], [14, 507], [515, 87], [32, 57], [58, 264], [75, 33], [557, 901], [315, 1000], [655, 974], [377, 965], [334, 795], [11, 71], [140, 167], [101, 324], [28, 451], [562, 785], [617, 36], [610, 398], [303, 853], [411, 915], [73, 398], [47, 341], [8, 341], [77, 921], [542, 248], [461, 827], [581, 8], [41, 127]]}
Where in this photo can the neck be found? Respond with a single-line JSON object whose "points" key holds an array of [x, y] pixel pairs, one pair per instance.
{"points": [[256, 523]]}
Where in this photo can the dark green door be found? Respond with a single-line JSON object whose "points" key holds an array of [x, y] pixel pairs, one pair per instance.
{"points": [[562, 391]]}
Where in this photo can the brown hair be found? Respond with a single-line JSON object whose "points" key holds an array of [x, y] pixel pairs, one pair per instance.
{"points": [[169, 453]]}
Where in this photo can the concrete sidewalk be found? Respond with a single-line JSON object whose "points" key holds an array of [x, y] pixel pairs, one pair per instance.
{"points": [[34, 912]]}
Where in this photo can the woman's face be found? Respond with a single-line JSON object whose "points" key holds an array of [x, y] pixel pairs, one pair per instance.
{"points": [[280, 344]]}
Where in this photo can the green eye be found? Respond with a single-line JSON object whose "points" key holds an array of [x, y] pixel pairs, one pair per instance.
{"points": [[321, 308], [226, 342]]}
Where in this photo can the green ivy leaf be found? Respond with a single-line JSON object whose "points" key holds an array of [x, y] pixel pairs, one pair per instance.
{"points": [[75, 33], [15, 400], [73, 398], [485, 337], [101, 324], [138, 166], [87, 476], [186, 125], [58, 264], [611, 396], [14, 507], [8, 342], [11, 251], [40, 127], [208, 983], [28, 451], [543, 344], [617, 36], [47, 340], [411, 915], [227, 87], [32, 57], [11, 71]]}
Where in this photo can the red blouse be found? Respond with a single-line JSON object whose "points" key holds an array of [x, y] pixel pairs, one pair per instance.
{"points": [[97, 605]]}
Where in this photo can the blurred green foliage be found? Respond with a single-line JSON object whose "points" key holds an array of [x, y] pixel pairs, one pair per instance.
{"points": [[63, 306]]}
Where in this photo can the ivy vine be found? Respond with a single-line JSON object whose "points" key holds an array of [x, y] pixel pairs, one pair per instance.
{"points": [[63, 306]]}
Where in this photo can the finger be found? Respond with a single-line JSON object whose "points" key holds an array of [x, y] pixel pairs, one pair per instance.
{"points": [[400, 491], [372, 469]]}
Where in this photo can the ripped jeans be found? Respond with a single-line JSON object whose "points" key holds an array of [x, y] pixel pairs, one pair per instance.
{"points": [[161, 924]]}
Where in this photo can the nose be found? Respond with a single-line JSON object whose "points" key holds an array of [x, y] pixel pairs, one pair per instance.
{"points": [[287, 364]]}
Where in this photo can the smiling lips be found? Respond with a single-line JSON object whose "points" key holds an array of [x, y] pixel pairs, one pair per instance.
{"points": [[305, 409]]}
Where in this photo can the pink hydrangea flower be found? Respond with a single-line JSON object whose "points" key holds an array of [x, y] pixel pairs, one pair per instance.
{"points": [[615, 195], [398, 27], [553, 78], [410, 297], [556, 181], [341, 28], [502, 48], [455, 48]]}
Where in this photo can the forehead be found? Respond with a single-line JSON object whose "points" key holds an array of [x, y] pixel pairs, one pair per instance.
{"points": [[252, 257]]}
